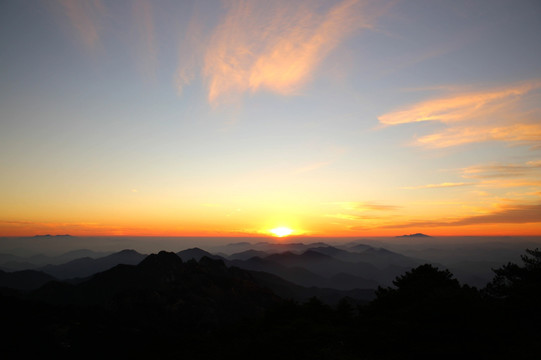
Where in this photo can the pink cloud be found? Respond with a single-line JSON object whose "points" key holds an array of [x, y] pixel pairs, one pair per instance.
{"points": [[276, 45]]}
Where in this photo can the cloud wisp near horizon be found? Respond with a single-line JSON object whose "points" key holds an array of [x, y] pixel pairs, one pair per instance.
{"points": [[216, 118]]}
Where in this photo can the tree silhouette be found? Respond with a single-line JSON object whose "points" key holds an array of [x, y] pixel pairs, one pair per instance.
{"points": [[515, 292], [422, 280], [427, 314], [422, 285], [518, 284]]}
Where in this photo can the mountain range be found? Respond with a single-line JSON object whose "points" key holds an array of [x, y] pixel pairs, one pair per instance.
{"points": [[309, 265], [354, 265], [81, 281]]}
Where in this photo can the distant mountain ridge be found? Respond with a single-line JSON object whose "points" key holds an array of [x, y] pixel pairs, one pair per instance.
{"points": [[364, 265], [13, 262], [49, 235], [196, 254], [415, 235], [87, 266], [381, 265], [358, 266], [164, 280]]}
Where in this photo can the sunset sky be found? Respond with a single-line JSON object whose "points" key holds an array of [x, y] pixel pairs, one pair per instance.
{"points": [[231, 118]]}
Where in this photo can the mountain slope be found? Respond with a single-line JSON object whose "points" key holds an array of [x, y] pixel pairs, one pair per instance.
{"points": [[163, 286], [289, 290], [248, 254], [309, 270], [24, 280]]}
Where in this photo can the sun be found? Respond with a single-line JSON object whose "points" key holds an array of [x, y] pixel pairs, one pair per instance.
{"points": [[281, 231]]}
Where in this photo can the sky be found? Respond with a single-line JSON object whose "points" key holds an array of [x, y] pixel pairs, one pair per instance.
{"points": [[232, 118]]}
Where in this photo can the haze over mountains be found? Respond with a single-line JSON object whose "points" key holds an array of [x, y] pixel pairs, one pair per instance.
{"points": [[310, 265], [345, 266]]}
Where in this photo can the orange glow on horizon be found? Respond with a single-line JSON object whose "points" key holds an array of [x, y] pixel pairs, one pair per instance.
{"points": [[15, 229]]}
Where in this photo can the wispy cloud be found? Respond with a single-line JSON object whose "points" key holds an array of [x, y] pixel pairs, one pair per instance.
{"points": [[507, 175], [84, 15], [436, 186], [511, 214], [147, 51], [459, 107], [191, 48], [275, 45], [365, 206], [510, 183], [459, 135], [352, 217], [494, 114], [358, 211], [38, 226], [17, 222], [498, 170]]}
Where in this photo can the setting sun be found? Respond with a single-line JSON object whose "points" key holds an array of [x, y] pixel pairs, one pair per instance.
{"points": [[281, 231]]}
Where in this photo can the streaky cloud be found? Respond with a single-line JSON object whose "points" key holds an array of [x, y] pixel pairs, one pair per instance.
{"points": [[520, 133], [498, 170], [147, 52], [365, 206], [510, 183], [437, 186], [352, 217], [459, 107], [191, 49], [84, 16], [508, 214], [499, 114]]}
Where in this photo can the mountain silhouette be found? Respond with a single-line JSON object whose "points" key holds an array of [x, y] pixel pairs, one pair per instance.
{"points": [[289, 290], [383, 258], [196, 254], [337, 253], [308, 258], [248, 254], [205, 291], [324, 265], [297, 275], [268, 247], [84, 267], [311, 269], [14, 262], [318, 264], [414, 235]]}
